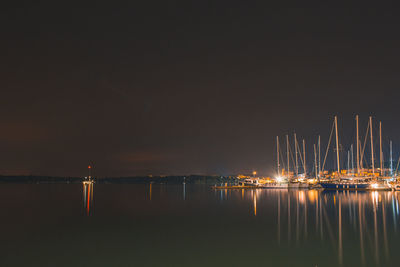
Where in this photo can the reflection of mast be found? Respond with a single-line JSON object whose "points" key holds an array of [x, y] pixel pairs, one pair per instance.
{"points": [[289, 233], [361, 232], [316, 213], [255, 202], [340, 233], [305, 217], [320, 218], [297, 217], [279, 217], [384, 230], [376, 227], [394, 210]]}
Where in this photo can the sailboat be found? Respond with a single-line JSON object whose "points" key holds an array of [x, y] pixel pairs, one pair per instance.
{"points": [[286, 178], [280, 181], [352, 181]]}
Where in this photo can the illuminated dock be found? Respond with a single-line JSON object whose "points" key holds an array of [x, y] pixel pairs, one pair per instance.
{"points": [[235, 187]]}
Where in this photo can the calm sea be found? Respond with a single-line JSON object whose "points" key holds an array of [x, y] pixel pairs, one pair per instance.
{"points": [[194, 225]]}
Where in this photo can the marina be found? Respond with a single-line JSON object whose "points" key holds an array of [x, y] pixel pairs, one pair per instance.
{"points": [[360, 177]]}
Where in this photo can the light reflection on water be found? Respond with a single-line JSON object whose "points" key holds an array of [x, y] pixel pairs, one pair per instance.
{"points": [[195, 225], [363, 214], [87, 197]]}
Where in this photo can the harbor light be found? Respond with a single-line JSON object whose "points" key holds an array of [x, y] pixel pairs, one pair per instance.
{"points": [[374, 185]]}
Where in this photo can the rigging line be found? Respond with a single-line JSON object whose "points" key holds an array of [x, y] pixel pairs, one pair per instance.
{"points": [[327, 148], [376, 140], [301, 157], [397, 167], [313, 169], [349, 140], [291, 155], [282, 163], [386, 148], [365, 161], [365, 142]]}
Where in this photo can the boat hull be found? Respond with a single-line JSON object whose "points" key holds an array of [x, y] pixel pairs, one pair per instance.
{"points": [[274, 186], [345, 186]]}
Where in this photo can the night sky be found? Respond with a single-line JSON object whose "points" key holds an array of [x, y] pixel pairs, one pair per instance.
{"points": [[202, 87]]}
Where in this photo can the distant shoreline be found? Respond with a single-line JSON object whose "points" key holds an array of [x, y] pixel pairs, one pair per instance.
{"points": [[172, 179]]}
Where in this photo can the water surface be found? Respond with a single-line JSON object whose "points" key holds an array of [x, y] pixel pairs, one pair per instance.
{"points": [[194, 225]]}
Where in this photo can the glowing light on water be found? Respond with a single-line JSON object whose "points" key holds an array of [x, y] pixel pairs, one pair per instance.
{"points": [[375, 196]]}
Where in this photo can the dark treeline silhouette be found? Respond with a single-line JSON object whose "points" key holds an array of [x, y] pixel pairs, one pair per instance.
{"points": [[190, 179], [38, 179]]}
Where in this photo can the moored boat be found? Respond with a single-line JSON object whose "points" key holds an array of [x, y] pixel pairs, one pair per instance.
{"points": [[356, 185], [274, 185], [351, 180], [345, 186]]}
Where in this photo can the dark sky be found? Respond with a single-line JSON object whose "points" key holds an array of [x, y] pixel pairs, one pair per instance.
{"points": [[167, 87]]}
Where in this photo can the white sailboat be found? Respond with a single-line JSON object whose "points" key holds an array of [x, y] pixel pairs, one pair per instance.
{"points": [[350, 181]]}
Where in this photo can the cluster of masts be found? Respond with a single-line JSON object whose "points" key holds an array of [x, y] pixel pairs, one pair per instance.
{"points": [[319, 171]]}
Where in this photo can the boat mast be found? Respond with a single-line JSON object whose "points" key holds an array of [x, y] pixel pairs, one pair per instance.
{"points": [[358, 148], [348, 161], [391, 159], [337, 147], [277, 154], [287, 152], [372, 145], [352, 159], [315, 162], [295, 149], [319, 155], [380, 147], [304, 157]]}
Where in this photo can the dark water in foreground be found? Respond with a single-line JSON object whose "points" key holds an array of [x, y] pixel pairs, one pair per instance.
{"points": [[193, 225]]}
